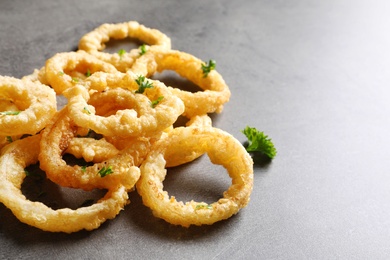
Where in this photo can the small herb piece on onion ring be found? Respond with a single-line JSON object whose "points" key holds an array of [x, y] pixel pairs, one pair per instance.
{"points": [[207, 67]]}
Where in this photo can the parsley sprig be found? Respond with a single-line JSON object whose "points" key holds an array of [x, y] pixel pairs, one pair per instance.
{"points": [[9, 113], [155, 102], [208, 67], [142, 49], [203, 206], [121, 52], [103, 172], [259, 142], [143, 84]]}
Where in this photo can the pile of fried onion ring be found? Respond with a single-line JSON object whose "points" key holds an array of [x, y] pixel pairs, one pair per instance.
{"points": [[120, 121]]}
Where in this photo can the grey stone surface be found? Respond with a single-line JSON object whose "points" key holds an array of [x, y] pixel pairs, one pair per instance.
{"points": [[312, 74]]}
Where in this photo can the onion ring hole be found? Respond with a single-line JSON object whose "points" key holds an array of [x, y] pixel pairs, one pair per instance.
{"points": [[172, 79], [127, 44], [199, 180]]}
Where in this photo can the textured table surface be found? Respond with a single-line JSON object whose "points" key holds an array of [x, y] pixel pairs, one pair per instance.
{"points": [[313, 75]]}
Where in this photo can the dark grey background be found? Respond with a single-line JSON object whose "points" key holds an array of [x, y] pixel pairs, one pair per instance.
{"points": [[314, 75]]}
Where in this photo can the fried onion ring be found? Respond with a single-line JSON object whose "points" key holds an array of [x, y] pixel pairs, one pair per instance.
{"points": [[94, 42], [215, 91], [22, 153], [139, 118], [222, 149], [91, 150], [174, 158], [101, 81], [36, 104], [66, 69], [55, 140]]}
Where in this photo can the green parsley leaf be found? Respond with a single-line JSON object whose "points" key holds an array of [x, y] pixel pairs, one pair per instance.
{"points": [[259, 142], [9, 113], [142, 49], [207, 67], [155, 102], [105, 171], [121, 52], [86, 110], [75, 80], [143, 84], [61, 73], [88, 73], [9, 139], [84, 168], [203, 206]]}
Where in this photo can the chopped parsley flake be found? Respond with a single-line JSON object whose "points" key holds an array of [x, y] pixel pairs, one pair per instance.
{"points": [[105, 171], [208, 67], [142, 49], [86, 110], [121, 52], [155, 102], [9, 113], [203, 206], [143, 84]]}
